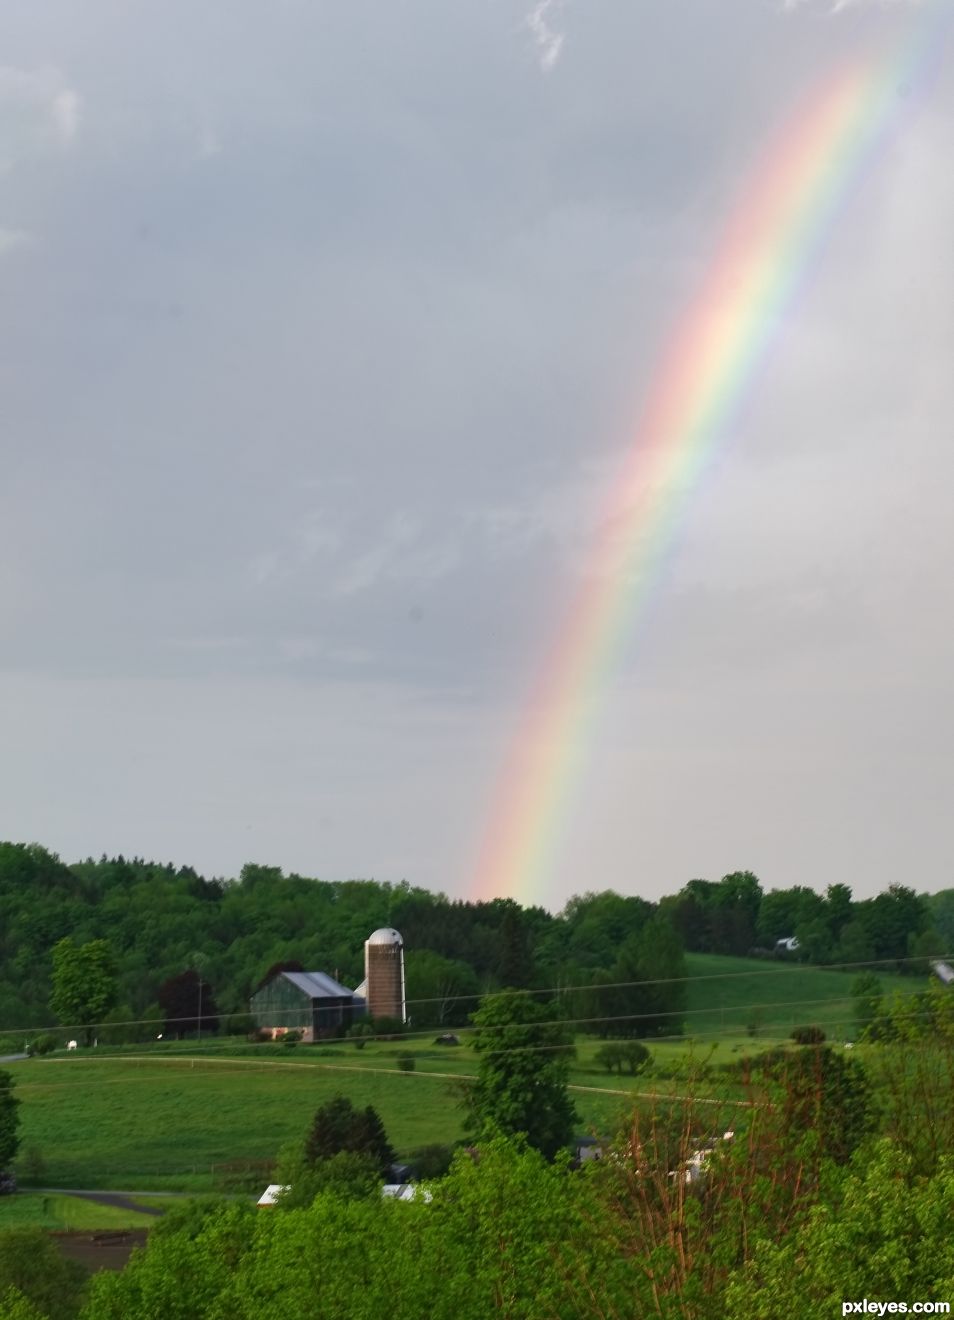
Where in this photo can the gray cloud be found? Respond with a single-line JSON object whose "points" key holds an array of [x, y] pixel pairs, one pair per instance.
{"points": [[549, 42], [326, 358]]}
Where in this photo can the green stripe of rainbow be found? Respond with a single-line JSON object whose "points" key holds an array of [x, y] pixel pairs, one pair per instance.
{"points": [[779, 223]]}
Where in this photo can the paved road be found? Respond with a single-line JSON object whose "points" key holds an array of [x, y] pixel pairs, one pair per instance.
{"points": [[12, 1058]]}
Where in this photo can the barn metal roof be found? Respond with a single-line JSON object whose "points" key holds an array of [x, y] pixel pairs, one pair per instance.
{"points": [[318, 985]]}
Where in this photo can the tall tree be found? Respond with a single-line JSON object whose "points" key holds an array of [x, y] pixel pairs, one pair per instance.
{"points": [[521, 1084], [84, 984], [188, 1004], [9, 1120]]}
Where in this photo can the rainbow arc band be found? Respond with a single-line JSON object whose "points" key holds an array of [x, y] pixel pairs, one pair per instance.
{"points": [[702, 380]]}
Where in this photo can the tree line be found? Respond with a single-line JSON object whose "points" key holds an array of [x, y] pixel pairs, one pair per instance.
{"points": [[169, 947]]}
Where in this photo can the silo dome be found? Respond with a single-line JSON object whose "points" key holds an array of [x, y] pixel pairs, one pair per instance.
{"points": [[386, 935]]}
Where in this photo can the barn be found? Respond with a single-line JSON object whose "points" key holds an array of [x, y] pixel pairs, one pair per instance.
{"points": [[313, 1003]]}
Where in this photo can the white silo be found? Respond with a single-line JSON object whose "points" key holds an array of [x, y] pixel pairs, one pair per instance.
{"points": [[384, 974]]}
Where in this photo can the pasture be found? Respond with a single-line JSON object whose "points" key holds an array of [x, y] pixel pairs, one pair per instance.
{"points": [[201, 1116]]}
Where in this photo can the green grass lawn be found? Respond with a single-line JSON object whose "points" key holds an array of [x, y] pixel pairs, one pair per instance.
{"points": [[36, 1210], [166, 1122], [172, 1122]]}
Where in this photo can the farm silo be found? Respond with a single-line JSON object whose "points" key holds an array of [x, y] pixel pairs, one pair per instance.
{"points": [[384, 974]]}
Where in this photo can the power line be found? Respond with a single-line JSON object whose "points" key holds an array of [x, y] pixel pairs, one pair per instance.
{"points": [[557, 990]]}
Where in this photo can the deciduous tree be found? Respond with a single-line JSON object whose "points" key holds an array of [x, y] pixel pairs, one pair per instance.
{"points": [[521, 1084], [188, 1004], [84, 984]]}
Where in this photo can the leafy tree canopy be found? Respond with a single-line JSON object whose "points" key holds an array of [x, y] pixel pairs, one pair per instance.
{"points": [[84, 984], [521, 1085]]}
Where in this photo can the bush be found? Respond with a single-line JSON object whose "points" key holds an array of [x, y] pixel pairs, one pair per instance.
{"points": [[631, 1055], [359, 1032], [291, 1038], [44, 1044], [808, 1036], [636, 1057], [432, 1161], [610, 1056], [406, 1062], [238, 1024], [386, 1028]]}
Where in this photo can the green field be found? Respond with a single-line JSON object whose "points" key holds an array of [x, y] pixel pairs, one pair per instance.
{"points": [[66, 1212], [725, 993], [186, 1116], [180, 1122]]}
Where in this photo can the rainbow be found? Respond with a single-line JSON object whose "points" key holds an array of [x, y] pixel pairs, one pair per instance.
{"points": [[700, 383]]}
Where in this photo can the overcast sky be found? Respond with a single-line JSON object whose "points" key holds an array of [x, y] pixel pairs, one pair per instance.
{"points": [[324, 330]]}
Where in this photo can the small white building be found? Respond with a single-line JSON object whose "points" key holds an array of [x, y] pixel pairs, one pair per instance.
{"points": [[271, 1194], [405, 1192]]}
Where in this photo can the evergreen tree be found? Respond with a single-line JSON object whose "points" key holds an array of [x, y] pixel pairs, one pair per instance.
{"points": [[338, 1126]]}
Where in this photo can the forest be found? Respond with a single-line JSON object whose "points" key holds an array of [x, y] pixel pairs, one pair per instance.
{"points": [[160, 923]]}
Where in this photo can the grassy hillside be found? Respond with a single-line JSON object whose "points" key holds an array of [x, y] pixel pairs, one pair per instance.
{"points": [[726, 993], [170, 1120], [177, 1115]]}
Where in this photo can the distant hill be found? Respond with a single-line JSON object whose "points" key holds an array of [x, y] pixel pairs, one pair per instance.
{"points": [[727, 994]]}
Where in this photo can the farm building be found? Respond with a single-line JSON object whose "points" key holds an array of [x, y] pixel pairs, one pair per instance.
{"points": [[317, 1004], [313, 1003], [383, 984]]}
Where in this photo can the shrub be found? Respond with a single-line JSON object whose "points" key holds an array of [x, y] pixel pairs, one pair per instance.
{"points": [[44, 1044], [610, 1056], [808, 1036], [359, 1032], [386, 1028], [635, 1056], [432, 1161], [239, 1024], [406, 1062]]}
